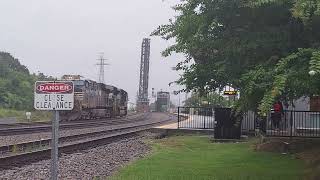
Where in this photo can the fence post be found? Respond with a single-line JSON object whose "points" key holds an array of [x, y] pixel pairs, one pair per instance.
{"points": [[254, 121], [178, 117], [267, 119], [205, 114], [291, 123]]}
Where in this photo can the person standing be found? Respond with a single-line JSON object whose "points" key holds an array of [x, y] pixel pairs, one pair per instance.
{"points": [[277, 114]]}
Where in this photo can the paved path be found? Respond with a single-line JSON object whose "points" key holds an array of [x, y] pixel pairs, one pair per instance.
{"points": [[192, 122], [169, 126]]}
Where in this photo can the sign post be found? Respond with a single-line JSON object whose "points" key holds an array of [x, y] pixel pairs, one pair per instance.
{"points": [[54, 145], [54, 96]]}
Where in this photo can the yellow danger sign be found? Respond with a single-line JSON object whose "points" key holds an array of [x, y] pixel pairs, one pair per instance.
{"points": [[230, 93]]}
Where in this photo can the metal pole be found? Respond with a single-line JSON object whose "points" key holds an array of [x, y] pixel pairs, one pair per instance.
{"points": [[54, 146], [291, 123], [205, 114], [178, 117]]}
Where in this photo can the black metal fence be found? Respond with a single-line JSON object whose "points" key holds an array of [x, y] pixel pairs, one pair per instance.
{"points": [[203, 118], [196, 118], [283, 124], [293, 124], [218, 119]]}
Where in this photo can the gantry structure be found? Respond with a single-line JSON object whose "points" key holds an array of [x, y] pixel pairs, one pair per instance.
{"points": [[142, 99]]}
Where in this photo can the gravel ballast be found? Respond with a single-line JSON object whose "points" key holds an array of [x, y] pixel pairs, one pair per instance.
{"points": [[101, 161], [15, 139]]}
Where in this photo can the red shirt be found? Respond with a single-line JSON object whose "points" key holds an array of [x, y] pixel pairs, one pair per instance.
{"points": [[277, 107]]}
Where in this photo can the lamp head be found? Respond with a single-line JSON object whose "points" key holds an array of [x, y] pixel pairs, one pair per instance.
{"points": [[312, 72]]}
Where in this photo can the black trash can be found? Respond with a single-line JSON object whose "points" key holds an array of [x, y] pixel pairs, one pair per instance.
{"points": [[228, 124]]}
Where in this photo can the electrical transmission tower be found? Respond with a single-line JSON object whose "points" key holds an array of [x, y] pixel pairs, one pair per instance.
{"points": [[143, 100], [101, 65]]}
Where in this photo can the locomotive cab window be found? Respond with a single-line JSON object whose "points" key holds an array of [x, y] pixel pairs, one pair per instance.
{"points": [[78, 85]]}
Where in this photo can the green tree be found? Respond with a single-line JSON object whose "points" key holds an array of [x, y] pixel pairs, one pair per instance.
{"points": [[211, 99], [290, 79], [264, 49], [16, 83]]}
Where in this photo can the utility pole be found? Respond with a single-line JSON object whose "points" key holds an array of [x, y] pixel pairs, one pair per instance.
{"points": [[101, 65]]}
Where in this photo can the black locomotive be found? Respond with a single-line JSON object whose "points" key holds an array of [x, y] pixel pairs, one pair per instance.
{"points": [[95, 100]]}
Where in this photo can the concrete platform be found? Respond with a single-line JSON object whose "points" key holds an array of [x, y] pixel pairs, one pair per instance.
{"points": [[169, 126], [197, 122], [169, 132], [192, 122]]}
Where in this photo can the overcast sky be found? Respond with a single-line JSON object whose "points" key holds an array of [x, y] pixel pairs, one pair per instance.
{"points": [[66, 36]]}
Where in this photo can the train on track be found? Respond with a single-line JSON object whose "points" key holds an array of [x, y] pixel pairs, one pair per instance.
{"points": [[94, 100]]}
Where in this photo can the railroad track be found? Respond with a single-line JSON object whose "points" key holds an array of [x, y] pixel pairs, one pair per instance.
{"points": [[30, 124], [71, 125], [28, 152]]}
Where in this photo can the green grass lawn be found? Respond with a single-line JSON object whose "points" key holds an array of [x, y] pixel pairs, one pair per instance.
{"points": [[196, 158], [36, 116]]}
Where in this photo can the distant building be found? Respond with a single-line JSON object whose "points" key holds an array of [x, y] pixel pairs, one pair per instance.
{"points": [[163, 101], [305, 104], [71, 77], [153, 107]]}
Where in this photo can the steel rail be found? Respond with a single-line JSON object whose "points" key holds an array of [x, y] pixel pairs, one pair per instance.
{"points": [[98, 138], [46, 141], [30, 124], [47, 128]]}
